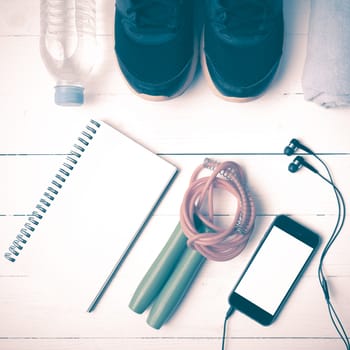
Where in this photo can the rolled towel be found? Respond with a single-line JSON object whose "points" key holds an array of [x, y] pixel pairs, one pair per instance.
{"points": [[326, 75]]}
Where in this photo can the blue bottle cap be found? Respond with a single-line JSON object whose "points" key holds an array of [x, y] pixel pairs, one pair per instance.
{"points": [[69, 95]]}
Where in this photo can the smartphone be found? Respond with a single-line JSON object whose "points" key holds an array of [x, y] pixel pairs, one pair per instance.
{"points": [[274, 269]]}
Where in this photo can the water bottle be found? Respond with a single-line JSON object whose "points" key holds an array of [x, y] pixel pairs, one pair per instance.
{"points": [[68, 45]]}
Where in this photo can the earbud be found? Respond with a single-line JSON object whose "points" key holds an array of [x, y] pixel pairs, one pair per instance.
{"points": [[294, 145], [295, 165], [298, 163]]}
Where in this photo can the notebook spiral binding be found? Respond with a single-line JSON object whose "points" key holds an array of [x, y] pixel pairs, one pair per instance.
{"points": [[52, 190]]}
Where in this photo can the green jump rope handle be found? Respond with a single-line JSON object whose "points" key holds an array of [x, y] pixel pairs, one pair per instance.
{"points": [[159, 272], [176, 287]]}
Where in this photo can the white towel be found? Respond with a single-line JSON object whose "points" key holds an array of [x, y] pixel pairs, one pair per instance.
{"points": [[326, 75]]}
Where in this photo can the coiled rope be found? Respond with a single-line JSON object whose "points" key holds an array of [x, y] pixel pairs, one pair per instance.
{"points": [[221, 243]]}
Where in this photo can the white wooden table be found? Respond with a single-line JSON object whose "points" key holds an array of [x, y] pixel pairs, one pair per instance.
{"points": [[34, 133]]}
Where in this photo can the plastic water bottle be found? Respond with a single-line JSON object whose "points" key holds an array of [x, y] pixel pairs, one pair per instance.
{"points": [[68, 45]]}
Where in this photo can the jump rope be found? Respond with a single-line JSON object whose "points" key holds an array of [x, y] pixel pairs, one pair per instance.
{"points": [[197, 237]]}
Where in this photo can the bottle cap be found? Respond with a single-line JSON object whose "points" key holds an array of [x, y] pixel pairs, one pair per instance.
{"points": [[69, 95]]}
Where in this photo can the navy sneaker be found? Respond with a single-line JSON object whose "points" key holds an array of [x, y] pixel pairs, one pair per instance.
{"points": [[155, 45], [242, 44]]}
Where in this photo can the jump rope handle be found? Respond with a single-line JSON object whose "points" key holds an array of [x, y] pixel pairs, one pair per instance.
{"points": [[168, 279], [176, 286], [159, 272]]}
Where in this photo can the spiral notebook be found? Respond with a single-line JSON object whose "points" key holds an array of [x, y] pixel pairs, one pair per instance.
{"points": [[91, 212]]}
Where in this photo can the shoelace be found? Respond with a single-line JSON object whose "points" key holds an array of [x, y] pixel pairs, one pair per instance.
{"points": [[245, 17], [154, 15], [222, 243]]}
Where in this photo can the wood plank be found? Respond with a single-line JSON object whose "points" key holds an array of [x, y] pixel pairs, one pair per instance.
{"points": [[305, 315], [204, 343], [184, 126], [160, 227], [23, 18], [274, 188]]}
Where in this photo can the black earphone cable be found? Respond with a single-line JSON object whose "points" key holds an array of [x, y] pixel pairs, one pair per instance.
{"points": [[229, 312], [337, 323]]}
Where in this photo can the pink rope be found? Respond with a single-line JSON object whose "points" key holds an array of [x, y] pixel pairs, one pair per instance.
{"points": [[220, 244]]}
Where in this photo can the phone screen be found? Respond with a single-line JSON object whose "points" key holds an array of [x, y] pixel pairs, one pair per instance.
{"points": [[273, 270]]}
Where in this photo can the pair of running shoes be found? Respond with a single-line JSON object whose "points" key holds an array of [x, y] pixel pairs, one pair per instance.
{"points": [[158, 44]]}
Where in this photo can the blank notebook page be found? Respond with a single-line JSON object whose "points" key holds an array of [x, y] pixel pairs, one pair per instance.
{"points": [[102, 205]]}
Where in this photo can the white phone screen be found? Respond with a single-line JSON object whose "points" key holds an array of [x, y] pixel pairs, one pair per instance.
{"points": [[273, 270]]}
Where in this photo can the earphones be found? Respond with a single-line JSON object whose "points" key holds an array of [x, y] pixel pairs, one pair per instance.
{"points": [[299, 162]]}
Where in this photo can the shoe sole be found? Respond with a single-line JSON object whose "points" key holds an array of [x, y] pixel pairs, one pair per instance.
{"points": [[183, 88], [211, 83]]}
